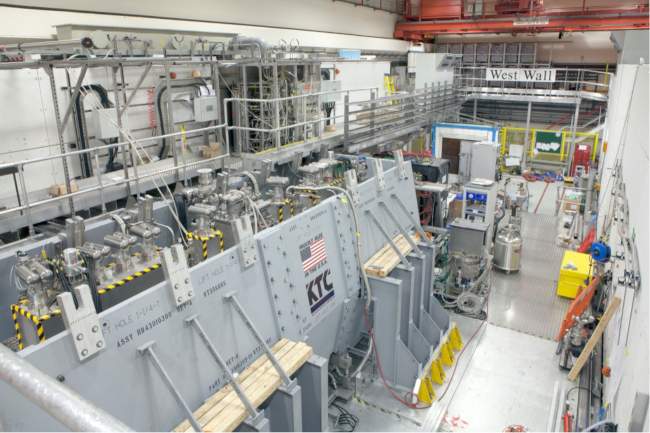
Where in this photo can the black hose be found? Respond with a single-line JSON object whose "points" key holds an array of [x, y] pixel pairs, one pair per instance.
{"points": [[327, 106], [93, 290], [161, 120], [106, 103], [181, 206]]}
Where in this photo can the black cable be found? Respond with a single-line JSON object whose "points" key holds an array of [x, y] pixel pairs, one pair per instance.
{"points": [[346, 419], [576, 387], [65, 284], [327, 106], [578, 404], [161, 120], [181, 206], [106, 103]]}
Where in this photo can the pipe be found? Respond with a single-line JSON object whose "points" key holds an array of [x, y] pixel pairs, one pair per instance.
{"points": [[116, 242], [143, 232], [27, 275], [247, 42], [44, 273], [65, 405], [589, 198], [598, 425], [35, 47]]}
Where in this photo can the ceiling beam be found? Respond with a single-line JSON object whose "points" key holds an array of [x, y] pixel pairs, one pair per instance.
{"points": [[416, 30]]}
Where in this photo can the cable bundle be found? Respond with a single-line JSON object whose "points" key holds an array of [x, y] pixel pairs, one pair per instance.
{"points": [[92, 283], [57, 267], [152, 109], [425, 214], [346, 419]]}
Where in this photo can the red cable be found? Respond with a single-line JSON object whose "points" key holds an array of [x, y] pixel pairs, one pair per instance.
{"points": [[579, 115], [414, 405], [540, 199], [411, 405]]}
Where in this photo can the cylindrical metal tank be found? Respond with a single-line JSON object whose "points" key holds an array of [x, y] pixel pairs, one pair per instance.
{"points": [[507, 248]]}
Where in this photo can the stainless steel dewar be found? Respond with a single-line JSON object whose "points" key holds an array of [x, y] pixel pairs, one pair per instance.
{"points": [[507, 248]]}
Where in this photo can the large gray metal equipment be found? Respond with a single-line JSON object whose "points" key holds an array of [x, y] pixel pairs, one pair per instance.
{"points": [[301, 280], [478, 160]]}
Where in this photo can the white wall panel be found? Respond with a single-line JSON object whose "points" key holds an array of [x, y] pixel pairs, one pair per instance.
{"points": [[315, 23], [629, 143]]}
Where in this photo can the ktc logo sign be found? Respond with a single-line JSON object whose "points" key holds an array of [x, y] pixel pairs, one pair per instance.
{"points": [[319, 291]]}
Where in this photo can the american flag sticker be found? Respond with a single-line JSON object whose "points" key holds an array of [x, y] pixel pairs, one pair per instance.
{"points": [[313, 254]]}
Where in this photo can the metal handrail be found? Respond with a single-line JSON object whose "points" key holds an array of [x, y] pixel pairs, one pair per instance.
{"points": [[27, 206], [559, 201], [65, 405], [467, 83], [109, 146]]}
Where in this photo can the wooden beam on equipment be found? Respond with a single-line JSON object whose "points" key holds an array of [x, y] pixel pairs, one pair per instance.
{"points": [[594, 338]]}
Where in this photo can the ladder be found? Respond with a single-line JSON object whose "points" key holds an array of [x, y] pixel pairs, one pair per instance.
{"points": [[389, 86]]}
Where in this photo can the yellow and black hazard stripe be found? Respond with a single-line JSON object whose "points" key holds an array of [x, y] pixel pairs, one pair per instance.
{"points": [[15, 309], [205, 240], [13, 313], [280, 212], [129, 278], [291, 207], [357, 399], [524, 332], [337, 182]]}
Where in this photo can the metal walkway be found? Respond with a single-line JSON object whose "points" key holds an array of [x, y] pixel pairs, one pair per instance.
{"points": [[526, 301]]}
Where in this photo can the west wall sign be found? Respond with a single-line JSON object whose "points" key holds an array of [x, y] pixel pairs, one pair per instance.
{"points": [[520, 75]]}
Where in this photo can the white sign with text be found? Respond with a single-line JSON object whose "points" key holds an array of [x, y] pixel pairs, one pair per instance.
{"points": [[520, 75]]}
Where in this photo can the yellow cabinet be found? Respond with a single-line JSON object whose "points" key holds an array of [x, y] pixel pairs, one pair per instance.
{"points": [[570, 278]]}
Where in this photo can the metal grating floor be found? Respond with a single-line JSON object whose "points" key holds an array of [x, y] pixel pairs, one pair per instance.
{"points": [[12, 343], [526, 301]]}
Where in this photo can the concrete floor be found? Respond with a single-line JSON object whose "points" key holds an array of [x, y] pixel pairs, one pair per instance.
{"points": [[503, 376]]}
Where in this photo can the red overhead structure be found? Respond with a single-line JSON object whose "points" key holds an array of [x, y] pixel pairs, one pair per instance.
{"points": [[423, 19]]}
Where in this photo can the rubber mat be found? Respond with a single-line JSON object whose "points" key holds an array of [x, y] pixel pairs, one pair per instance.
{"points": [[526, 301]]}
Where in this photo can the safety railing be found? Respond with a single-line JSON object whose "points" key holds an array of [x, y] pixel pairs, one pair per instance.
{"points": [[374, 113], [274, 123], [548, 148], [570, 199], [27, 206], [568, 84]]}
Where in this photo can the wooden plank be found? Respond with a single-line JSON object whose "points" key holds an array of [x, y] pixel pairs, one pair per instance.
{"points": [[281, 348], [382, 251], [265, 387], [216, 398], [248, 384], [594, 338], [389, 266], [235, 413], [384, 261], [390, 254]]}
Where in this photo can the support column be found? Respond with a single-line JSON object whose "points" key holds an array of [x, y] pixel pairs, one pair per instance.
{"points": [[574, 128], [524, 161], [312, 379], [284, 410]]}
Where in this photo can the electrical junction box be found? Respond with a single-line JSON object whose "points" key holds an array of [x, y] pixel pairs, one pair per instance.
{"points": [[104, 128], [206, 109], [331, 86]]}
